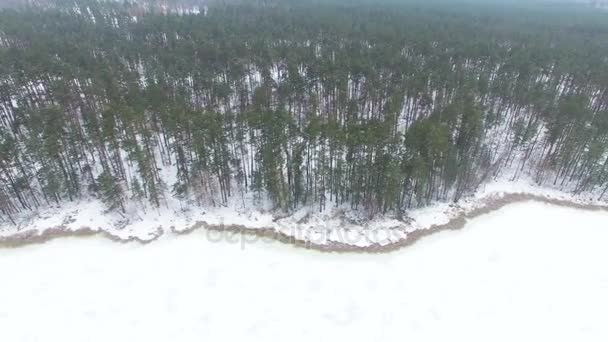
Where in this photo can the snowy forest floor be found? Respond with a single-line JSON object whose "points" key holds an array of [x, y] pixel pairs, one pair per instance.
{"points": [[333, 230]]}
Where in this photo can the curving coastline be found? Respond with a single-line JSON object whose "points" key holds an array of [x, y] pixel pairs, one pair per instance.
{"points": [[484, 206]]}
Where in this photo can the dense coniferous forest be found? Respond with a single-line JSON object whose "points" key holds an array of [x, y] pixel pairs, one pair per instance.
{"points": [[377, 106]]}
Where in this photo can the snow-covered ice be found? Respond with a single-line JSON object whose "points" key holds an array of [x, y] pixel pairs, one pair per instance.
{"points": [[528, 272]]}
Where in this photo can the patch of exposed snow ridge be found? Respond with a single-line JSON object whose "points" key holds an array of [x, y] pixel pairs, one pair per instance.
{"points": [[335, 226]]}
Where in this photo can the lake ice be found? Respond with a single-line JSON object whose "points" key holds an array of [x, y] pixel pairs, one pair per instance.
{"points": [[529, 271]]}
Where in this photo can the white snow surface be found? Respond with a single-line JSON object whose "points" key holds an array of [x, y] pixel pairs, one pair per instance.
{"points": [[334, 225], [528, 272]]}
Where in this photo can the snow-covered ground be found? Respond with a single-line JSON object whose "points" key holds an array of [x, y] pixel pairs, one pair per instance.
{"points": [[334, 226], [528, 272]]}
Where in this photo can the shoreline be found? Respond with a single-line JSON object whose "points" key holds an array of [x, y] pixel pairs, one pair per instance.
{"points": [[481, 207]]}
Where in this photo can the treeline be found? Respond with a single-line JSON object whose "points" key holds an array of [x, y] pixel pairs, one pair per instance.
{"points": [[383, 107]]}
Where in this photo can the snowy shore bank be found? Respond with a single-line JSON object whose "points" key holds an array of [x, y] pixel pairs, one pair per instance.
{"points": [[335, 229]]}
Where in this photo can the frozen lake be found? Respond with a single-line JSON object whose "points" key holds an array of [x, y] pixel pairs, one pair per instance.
{"points": [[530, 272]]}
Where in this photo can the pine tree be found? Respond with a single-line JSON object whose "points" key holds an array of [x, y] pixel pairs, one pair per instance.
{"points": [[111, 191]]}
